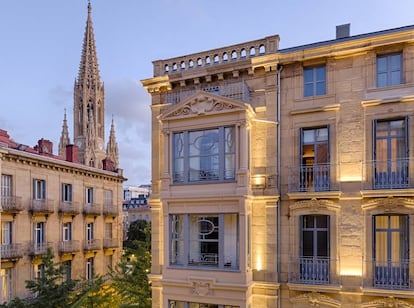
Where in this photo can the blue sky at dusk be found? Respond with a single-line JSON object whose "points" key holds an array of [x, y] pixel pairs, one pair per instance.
{"points": [[41, 43]]}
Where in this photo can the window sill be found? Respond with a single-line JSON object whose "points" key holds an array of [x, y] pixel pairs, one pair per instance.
{"points": [[203, 182], [204, 268]]}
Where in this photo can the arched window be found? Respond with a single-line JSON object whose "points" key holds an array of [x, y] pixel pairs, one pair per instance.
{"points": [[199, 62], [262, 50], [225, 56], [174, 67], [252, 51], [216, 59], [208, 60], [190, 64], [233, 55], [182, 65], [243, 53], [166, 68]]}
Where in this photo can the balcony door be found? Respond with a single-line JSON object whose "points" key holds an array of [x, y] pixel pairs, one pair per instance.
{"points": [[314, 262], [390, 154], [314, 165], [391, 251]]}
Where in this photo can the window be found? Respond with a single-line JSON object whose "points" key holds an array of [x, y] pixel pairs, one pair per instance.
{"points": [[39, 270], [389, 70], [6, 232], [204, 155], [314, 165], [314, 262], [89, 268], [6, 284], [68, 270], [390, 154], [391, 251], [39, 234], [66, 192], [108, 198], [67, 231], [89, 231], [108, 261], [314, 81], [89, 195], [39, 189], [204, 240], [6, 186]]}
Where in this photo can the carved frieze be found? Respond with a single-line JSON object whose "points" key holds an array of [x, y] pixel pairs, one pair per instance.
{"points": [[315, 299]]}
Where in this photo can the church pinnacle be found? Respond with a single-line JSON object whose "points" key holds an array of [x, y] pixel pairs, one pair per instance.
{"points": [[64, 138], [89, 103]]}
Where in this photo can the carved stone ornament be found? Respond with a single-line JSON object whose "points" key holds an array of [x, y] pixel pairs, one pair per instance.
{"points": [[389, 204], [390, 302], [203, 103], [201, 286], [315, 299], [314, 205]]}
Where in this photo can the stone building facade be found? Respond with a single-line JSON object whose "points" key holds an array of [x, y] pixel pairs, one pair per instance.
{"points": [[71, 202], [283, 177]]}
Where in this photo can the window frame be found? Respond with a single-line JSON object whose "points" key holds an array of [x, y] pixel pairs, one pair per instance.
{"points": [[388, 72], [89, 268], [89, 195], [219, 159], [310, 86], [67, 192], [39, 189]]}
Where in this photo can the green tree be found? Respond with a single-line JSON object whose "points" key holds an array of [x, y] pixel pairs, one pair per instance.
{"points": [[51, 289], [130, 277]]}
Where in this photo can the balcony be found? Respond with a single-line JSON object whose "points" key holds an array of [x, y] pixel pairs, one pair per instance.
{"points": [[38, 249], [90, 245], [11, 251], [390, 275], [69, 207], [110, 210], [110, 243], [388, 174], [69, 246], [11, 204], [41, 206], [92, 209], [313, 271], [313, 178]]}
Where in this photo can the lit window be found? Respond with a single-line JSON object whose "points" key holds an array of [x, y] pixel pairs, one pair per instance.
{"points": [[205, 155], [389, 70], [314, 81], [204, 240]]}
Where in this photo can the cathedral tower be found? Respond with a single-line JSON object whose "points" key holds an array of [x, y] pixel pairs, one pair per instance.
{"points": [[89, 104]]}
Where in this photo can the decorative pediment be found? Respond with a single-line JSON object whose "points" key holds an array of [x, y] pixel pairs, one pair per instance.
{"points": [[388, 302], [315, 299], [314, 205], [204, 103], [389, 204]]}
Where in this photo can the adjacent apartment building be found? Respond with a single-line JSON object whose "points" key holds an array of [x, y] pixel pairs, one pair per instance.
{"points": [[70, 202], [284, 177]]}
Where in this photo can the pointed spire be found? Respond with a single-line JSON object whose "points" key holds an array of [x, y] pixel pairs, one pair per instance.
{"points": [[64, 137], [112, 147], [88, 68]]}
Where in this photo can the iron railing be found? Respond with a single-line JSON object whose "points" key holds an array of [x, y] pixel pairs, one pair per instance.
{"points": [[388, 174], [393, 275], [313, 270], [312, 178]]}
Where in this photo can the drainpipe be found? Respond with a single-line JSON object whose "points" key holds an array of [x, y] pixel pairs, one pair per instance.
{"points": [[278, 164]]}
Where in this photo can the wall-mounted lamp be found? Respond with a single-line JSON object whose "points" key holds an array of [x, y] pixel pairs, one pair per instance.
{"points": [[259, 181]]}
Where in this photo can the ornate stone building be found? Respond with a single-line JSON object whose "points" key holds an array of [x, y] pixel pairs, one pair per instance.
{"points": [[71, 202], [283, 177]]}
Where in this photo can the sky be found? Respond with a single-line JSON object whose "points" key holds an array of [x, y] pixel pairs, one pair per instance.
{"points": [[41, 44]]}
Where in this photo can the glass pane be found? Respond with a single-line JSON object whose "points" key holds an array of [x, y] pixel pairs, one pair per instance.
{"points": [[308, 136], [320, 88], [307, 244], [308, 75], [321, 221], [381, 64], [231, 240], [308, 221], [321, 153], [381, 249], [308, 90], [322, 249], [396, 62], [321, 73], [381, 80], [395, 78]]}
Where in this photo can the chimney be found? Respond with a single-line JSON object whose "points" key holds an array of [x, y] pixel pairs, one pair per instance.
{"points": [[72, 153], [108, 164], [45, 146], [343, 31]]}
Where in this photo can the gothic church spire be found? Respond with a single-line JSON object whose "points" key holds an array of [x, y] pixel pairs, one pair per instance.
{"points": [[112, 147], [64, 138]]}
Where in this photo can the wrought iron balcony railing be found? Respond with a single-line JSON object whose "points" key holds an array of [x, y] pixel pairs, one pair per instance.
{"points": [[37, 249], [388, 174], [94, 244], [69, 246], [110, 243], [313, 270], [392, 275], [92, 209], [11, 251], [42, 206], [11, 204], [69, 207], [313, 178]]}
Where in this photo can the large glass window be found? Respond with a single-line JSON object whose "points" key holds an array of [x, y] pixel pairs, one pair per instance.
{"points": [[39, 189], [314, 168], [314, 81], [390, 154], [391, 251], [204, 240], [389, 70], [204, 155], [314, 261]]}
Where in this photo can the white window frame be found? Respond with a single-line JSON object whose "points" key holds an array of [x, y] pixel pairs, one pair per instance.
{"points": [[66, 192], [39, 189], [89, 196]]}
